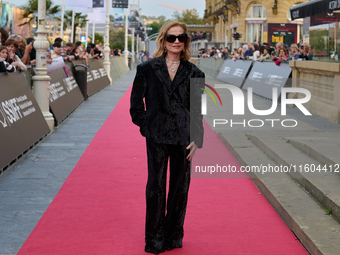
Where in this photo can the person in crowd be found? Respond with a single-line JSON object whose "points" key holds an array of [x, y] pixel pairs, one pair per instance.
{"points": [[23, 51], [241, 51], [235, 54], [224, 52], [94, 52], [59, 40], [4, 65], [303, 54], [57, 51], [278, 47], [249, 52], [13, 59], [171, 121], [286, 47], [115, 52], [218, 54], [212, 52], [282, 58], [69, 49], [335, 55], [3, 35], [311, 53], [264, 54], [79, 52], [256, 53], [293, 53], [257, 43], [306, 51], [33, 53]]}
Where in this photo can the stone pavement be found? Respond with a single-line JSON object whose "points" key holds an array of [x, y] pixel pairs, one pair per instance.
{"points": [[28, 187]]}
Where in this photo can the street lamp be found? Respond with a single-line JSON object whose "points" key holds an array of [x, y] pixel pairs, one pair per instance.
{"points": [[41, 86], [275, 7], [106, 63]]}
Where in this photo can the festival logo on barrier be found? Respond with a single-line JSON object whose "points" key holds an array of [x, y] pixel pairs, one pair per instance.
{"points": [[15, 109], [21, 120]]}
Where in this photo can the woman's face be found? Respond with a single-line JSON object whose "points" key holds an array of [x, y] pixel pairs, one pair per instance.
{"points": [[177, 46], [3, 54], [56, 50], [11, 48], [265, 52], [282, 53]]}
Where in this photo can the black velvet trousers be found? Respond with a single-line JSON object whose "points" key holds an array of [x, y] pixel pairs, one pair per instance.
{"points": [[164, 229]]}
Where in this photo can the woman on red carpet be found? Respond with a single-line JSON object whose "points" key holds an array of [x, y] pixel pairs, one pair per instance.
{"points": [[173, 130]]}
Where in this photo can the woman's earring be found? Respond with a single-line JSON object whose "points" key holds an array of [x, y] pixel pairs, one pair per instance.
{"points": [[183, 50], [164, 49]]}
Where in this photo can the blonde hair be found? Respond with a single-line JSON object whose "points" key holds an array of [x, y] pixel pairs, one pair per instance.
{"points": [[159, 51]]}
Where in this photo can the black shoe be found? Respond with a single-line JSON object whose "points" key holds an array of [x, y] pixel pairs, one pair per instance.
{"points": [[152, 249]]}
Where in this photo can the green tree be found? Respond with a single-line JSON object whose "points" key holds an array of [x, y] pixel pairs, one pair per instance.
{"points": [[31, 11], [117, 40], [188, 17], [155, 28], [98, 38], [79, 21]]}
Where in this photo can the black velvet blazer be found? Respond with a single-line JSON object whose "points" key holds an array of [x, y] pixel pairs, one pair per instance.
{"points": [[165, 117]]}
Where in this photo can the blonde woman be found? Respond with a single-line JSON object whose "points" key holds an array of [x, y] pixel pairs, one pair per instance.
{"points": [[161, 107]]}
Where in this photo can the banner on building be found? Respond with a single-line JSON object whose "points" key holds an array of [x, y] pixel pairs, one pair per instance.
{"points": [[119, 17], [120, 3], [134, 21]]}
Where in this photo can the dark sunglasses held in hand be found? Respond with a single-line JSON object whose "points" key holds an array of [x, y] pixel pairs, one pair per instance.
{"points": [[172, 38]]}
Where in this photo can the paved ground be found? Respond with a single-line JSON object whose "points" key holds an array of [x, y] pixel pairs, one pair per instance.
{"points": [[27, 188]]}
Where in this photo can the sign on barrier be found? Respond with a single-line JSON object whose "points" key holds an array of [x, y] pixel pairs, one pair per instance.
{"points": [[97, 78], [266, 75], [234, 72], [65, 94], [21, 121]]}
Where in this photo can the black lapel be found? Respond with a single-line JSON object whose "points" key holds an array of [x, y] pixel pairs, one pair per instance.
{"points": [[161, 71], [182, 75]]}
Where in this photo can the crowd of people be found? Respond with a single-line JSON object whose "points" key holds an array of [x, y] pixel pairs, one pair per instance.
{"points": [[281, 53], [17, 53]]}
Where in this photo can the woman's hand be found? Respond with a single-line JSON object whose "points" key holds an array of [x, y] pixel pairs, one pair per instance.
{"points": [[192, 147]]}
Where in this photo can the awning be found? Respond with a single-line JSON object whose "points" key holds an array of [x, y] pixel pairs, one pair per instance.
{"points": [[314, 7]]}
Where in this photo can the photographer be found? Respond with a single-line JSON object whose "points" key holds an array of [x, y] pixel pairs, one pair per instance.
{"points": [[303, 54], [293, 53]]}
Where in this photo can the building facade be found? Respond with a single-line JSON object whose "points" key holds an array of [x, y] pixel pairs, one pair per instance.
{"points": [[265, 21]]}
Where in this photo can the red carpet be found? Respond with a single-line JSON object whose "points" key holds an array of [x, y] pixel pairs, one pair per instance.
{"points": [[101, 207]]}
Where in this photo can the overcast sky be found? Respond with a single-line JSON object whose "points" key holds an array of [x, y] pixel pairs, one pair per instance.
{"points": [[149, 7]]}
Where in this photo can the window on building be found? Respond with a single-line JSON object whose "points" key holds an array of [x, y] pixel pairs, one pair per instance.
{"points": [[256, 16]]}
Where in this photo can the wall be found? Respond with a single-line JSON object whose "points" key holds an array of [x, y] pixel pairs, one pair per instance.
{"points": [[322, 81]]}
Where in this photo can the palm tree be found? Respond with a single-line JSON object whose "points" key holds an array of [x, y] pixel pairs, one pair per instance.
{"points": [[31, 10], [79, 21]]}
